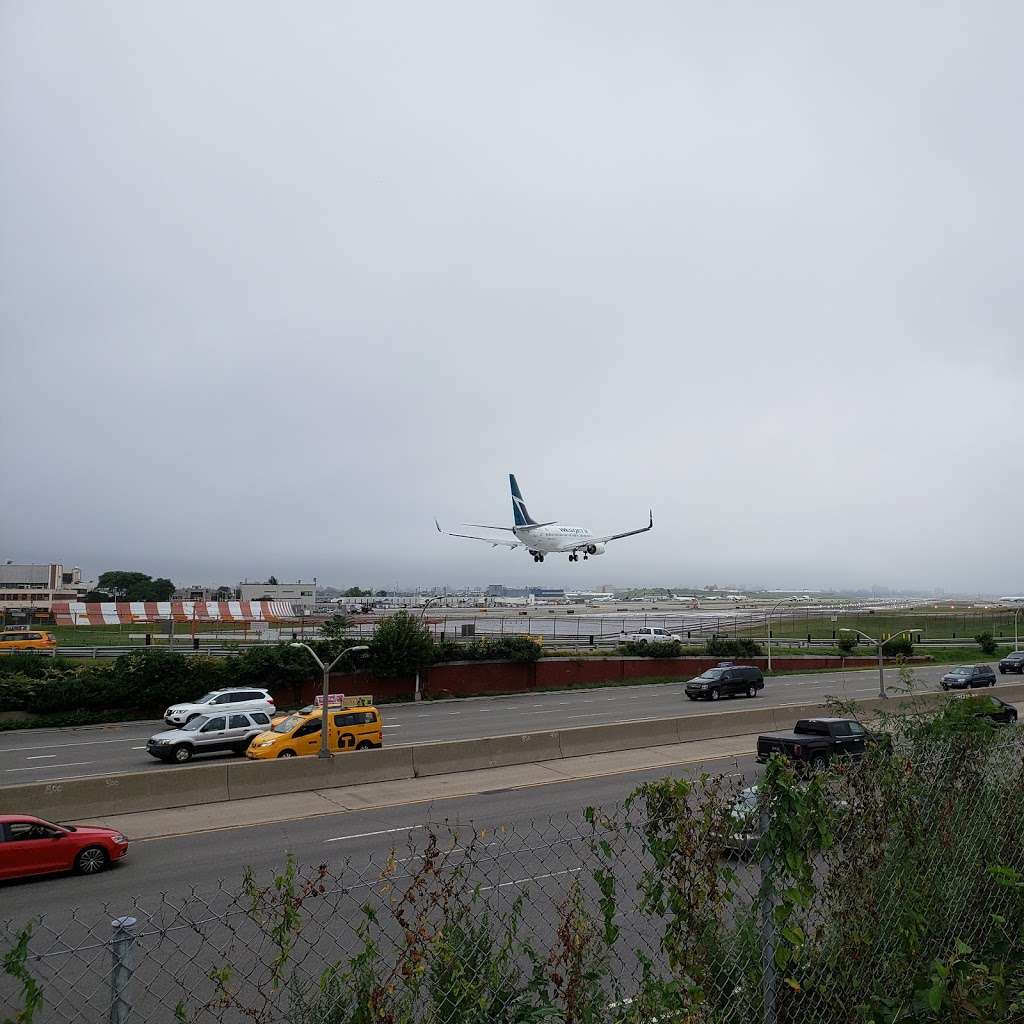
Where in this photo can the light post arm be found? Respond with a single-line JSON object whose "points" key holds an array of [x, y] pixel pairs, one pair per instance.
{"points": [[325, 750]]}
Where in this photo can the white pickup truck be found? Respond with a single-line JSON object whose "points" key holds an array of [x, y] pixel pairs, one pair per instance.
{"points": [[647, 635]]}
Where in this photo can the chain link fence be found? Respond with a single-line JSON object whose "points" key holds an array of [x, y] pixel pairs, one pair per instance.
{"points": [[825, 899]]}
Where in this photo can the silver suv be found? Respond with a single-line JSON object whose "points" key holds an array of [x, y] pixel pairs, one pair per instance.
{"points": [[220, 701], [208, 734]]}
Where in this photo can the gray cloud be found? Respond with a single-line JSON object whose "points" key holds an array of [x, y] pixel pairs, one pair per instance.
{"points": [[278, 285]]}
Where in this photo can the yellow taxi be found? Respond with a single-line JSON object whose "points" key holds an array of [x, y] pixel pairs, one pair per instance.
{"points": [[298, 735], [27, 640]]}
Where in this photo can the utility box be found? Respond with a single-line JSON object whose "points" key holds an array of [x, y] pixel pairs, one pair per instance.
{"points": [[467, 629]]}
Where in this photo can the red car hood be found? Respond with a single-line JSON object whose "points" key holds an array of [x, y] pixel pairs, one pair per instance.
{"points": [[95, 830]]}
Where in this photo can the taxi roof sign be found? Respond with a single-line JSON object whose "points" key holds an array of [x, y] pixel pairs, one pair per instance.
{"points": [[339, 700]]}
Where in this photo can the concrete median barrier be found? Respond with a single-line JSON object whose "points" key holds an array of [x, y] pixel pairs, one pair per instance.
{"points": [[720, 724], [118, 794], [493, 752], [600, 739]]}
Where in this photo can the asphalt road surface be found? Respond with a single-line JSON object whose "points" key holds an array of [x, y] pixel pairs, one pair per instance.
{"points": [[48, 755]]}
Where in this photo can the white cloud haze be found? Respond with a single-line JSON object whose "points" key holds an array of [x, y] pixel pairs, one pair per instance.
{"points": [[280, 283]]}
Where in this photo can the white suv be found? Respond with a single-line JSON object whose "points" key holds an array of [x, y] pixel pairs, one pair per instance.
{"points": [[647, 635], [221, 700]]}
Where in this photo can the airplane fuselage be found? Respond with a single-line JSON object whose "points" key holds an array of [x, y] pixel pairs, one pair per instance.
{"points": [[553, 538]]}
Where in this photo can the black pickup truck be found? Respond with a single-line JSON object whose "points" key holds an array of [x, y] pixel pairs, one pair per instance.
{"points": [[815, 740]]}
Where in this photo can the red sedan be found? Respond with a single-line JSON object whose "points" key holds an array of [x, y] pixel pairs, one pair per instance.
{"points": [[32, 846]]}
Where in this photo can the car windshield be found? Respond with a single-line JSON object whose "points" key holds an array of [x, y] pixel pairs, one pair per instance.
{"points": [[196, 723], [745, 803], [961, 671], [712, 673], [288, 724], [206, 698]]}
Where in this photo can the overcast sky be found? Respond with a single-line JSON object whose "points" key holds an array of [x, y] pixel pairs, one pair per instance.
{"points": [[279, 283]]}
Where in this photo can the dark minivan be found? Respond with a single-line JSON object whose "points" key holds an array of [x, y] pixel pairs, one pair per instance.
{"points": [[726, 681]]}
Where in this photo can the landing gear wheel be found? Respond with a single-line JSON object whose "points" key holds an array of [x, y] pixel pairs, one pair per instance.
{"points": [[91, 861]]}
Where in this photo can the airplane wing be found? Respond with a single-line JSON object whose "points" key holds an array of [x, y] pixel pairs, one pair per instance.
{"points": [[619, 536], [487, 540]]}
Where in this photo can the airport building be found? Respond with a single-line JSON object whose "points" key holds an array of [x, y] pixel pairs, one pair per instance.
{"points": [[28, 591], [302, 595]]}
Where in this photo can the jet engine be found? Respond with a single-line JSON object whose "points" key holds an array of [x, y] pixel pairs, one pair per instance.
{"points": [[595, 549]]}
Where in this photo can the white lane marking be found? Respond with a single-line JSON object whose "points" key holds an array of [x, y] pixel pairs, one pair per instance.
{"points": [[382, 832], [391, 727], [551, 711], [50, 746], [532, 878], [133, 748], [589, 714], [36, 767], [40, 757], [453, 712]]}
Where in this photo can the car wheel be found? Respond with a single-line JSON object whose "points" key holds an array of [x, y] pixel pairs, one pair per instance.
{"points": [[690, 697], [751, 691], [714, 694], [188, 718], [365, 745], [91, 861], [182, 753], [287, 753], [819, 763], [945, 687], [1002, 671]]}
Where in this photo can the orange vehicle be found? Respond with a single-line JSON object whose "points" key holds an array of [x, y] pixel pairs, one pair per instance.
{"points": [[27, 640]]}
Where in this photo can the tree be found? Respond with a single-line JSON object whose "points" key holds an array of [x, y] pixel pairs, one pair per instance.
{"points": [[134, 586], [382, 593], [97, 597], [356, 592], [224, 593], [272, 582], [401, 646], [336, 627]]}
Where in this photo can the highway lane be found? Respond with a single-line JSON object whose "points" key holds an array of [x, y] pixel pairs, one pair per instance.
{"points": [[522, 821], [52, 754], [531, 843]]}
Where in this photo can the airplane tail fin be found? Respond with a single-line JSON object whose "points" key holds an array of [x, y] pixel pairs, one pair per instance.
{"points": [[519, 512]]}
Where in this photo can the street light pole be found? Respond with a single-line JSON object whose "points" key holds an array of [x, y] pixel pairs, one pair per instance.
{"points": [[1016, 614], [417, 695], [775, 608], [879, 644], [325, 750]]}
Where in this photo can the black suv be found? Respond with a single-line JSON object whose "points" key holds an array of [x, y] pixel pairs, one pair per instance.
{"points": [[726, 681], [1012, 663], [968, 676]]}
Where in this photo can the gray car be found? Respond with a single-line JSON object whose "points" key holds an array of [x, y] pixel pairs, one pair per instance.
{"points": [[209, 734], [968, 676]]}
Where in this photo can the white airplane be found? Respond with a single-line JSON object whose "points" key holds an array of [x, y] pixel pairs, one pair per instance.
{"points": [[541, 539]]}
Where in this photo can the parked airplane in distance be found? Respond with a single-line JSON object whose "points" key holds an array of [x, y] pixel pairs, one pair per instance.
{"points": [[541, 539]]}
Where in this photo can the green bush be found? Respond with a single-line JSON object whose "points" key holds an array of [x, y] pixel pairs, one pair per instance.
{"points": [[36, 666], [742, 647], [506, 648], [847, 642], [899, 647], [986, 642], [652, 649]]}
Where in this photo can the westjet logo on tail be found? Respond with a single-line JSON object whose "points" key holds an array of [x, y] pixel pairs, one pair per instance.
{"points": [[541, 539]]}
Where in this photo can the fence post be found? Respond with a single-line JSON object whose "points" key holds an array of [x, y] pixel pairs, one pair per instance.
{"points": [[121, 968], [766, 900]]}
